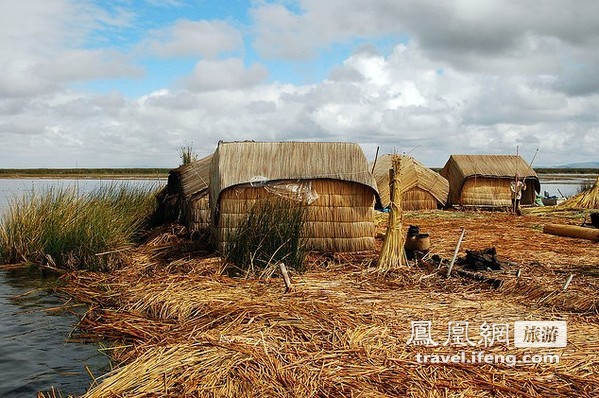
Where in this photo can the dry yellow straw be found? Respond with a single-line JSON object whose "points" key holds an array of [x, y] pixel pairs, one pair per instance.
{"points": [[585, 200], [392, 253]]}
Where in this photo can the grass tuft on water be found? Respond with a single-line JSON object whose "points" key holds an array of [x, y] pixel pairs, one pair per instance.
{"points": [[68, 230]]}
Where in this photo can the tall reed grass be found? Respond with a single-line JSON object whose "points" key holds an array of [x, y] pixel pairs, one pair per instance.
{"points": [[271, 233], [68, 230]]}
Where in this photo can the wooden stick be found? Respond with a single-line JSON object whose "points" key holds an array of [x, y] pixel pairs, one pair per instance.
{"points": [[568, 282], [495, 282], [376, 156], [455, 253], [285, 277]]}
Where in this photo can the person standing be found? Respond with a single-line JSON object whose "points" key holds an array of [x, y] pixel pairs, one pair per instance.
{"points": [[517, 186]]}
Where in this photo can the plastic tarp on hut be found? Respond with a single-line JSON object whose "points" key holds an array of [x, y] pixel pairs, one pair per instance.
{"points": [[421, 187], [484, 180], [333, 179]]}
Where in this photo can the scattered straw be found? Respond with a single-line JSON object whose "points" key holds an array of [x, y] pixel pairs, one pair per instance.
{"points": [[182, 329]]}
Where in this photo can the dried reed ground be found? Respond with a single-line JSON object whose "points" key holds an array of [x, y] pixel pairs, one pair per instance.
{"points": [[180, 328]]}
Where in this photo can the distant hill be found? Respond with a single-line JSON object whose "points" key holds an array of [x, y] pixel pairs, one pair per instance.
{"points": [[584, 165]]}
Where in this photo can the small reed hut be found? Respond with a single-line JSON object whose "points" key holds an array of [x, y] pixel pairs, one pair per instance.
{"points": [[332, 179], [187, 195], [484, 180], [421, 187]]}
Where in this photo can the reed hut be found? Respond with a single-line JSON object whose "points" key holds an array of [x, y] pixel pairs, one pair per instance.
{"points": [[484, 180], [421, 187], [332, 179], [187, 195]]}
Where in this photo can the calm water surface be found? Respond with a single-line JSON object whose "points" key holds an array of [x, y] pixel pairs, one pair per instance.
{"points": [[564, 184], [34, 354]]}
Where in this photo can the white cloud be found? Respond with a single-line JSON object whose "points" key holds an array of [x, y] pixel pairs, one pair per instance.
{"points": [[230, 73], [41, 46], [193, 38], [469, 77]]}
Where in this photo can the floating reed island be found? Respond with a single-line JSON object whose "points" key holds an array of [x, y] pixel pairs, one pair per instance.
{"points": [[181, 327], [324, 301]]}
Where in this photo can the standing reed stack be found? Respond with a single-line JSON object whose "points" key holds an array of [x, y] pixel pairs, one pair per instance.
{"points": [[392, 253]]}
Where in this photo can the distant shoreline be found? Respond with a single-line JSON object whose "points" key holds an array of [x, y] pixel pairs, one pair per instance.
{"points": [[104, 173], [150, 173]]}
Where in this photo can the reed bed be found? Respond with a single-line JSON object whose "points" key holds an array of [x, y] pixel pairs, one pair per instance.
{"points": [[68, 230], [181, 328]]}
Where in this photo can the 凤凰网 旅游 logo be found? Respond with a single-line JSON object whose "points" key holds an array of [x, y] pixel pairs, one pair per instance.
{"points": [[520, 334]]}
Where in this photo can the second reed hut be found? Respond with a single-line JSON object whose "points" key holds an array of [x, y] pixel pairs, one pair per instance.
{"points": [[187, 195], [332, 179], [484, 180], [421, 187]]}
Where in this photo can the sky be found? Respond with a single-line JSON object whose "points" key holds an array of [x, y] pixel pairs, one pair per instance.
{"points": [[128, 83]]}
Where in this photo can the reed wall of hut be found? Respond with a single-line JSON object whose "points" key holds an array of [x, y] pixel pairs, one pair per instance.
{"points": [[421, 187], [188, 193], [484, 180], [340, 211]]}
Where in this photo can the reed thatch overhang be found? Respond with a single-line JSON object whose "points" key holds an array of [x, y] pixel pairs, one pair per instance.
{"points": [[413, 175], [461, 168], [185, 197], [247, 162], [192, 179]]}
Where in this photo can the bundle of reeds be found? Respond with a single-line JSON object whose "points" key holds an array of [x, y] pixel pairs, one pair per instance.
{"points": [[588, 199], [392, 254]]}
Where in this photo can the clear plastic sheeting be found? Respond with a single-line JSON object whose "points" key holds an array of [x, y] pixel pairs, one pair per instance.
{"points": [[258, 181], [299, 191]]}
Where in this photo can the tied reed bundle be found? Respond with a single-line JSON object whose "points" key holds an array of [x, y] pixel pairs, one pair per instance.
{"points": [[392, 253]]}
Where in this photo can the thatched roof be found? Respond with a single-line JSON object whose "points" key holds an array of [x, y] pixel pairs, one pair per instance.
{"points": [[462, 167], [413, 175], [588, 199], [238, 163], [193, 179]]}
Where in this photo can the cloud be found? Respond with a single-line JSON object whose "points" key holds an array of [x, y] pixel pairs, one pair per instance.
{"points": [[230, 74], [42, 46], [487, 36], [188, 38], [433, 78]]}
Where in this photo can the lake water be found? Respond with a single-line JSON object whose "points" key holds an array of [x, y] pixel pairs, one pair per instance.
{"points": [[564, 184], [34, 352]]}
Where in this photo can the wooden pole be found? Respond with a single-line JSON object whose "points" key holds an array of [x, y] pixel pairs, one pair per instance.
{"points": [[455, 253], [376, 156], [285, 277]]}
